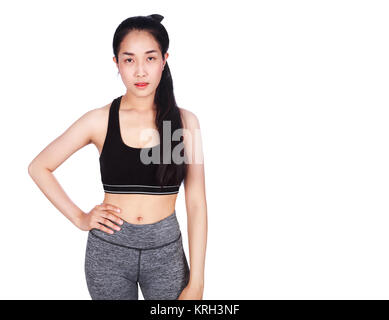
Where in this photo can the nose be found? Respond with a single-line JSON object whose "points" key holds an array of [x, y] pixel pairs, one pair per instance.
{"points": [[140, 70]]}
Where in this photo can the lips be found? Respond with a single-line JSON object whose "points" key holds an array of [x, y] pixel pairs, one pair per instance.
{"points": [[141, 84]]}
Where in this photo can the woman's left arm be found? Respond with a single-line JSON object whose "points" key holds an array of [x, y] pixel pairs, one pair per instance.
{"points": [[196, 206]]}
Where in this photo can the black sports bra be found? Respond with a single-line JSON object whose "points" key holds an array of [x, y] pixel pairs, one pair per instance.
{"points": [[121, 168]]}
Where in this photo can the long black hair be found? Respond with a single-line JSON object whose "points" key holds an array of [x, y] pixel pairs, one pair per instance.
{"points": [[167, 110]]}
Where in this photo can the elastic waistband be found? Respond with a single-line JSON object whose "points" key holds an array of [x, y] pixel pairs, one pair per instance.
{"points": [[143, 236], [145, 189]]}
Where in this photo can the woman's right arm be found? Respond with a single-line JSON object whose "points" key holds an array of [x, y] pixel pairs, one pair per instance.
{"points": [[41, 169]]}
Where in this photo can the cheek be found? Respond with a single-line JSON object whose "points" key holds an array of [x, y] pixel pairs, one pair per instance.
{"points": [[126, 78], [126, 73], [154, 75], [157, 74]]}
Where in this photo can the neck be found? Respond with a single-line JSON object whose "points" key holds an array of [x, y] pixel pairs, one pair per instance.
{"points": [[141, 104]]}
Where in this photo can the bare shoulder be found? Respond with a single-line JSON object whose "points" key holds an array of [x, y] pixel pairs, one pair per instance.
{"points": [[189, 119], [88, 117], [79, 134], [94, 115], [100, 112], [97, 119]]}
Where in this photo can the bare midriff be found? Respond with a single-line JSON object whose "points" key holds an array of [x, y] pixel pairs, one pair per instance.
{"points": [[142, 208], [136, 208]]}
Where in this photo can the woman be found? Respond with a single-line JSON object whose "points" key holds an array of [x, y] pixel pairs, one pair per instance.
{"points": [[134, 236]]}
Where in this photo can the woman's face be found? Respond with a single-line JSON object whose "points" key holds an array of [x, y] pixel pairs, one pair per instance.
{"points": [[140, 60]]}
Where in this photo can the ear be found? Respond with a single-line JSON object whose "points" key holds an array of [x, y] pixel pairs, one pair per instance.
{"points": [[114, 60]]}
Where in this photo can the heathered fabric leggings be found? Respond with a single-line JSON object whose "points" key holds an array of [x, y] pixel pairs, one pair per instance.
{"points": [[151, 255]]}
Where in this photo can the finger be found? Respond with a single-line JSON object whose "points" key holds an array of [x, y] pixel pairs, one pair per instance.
{"points": [[112, 217], [103, 228], [106, 206], [110, 224]]}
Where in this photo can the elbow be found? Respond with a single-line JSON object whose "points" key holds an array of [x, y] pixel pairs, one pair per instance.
{"points": [[33, 168], [198, 206], [30, 168]]}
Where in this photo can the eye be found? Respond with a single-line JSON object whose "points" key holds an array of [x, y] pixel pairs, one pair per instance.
{"points": [[147, 58]]}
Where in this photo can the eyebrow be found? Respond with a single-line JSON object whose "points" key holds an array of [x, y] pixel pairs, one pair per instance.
{"points": [[133, 54]]}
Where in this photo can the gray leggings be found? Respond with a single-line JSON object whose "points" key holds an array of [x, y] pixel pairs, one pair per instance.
{"points": [[149, 254]]}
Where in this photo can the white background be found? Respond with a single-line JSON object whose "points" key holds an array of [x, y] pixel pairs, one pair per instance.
{"points": [[292, 99]]}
